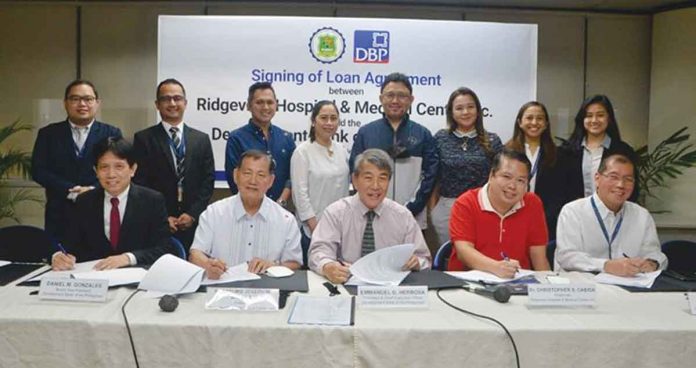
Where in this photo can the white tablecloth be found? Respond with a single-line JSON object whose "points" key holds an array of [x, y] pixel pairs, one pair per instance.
{"points": [[624, 330]]}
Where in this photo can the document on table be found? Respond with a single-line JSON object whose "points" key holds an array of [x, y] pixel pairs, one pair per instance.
{"points": [[382, 267], [642, 280], [487, 277], [172, 275], [116, 277], [79, 268], [323, 310], [236, 273], [85, 270], [3, 263]]}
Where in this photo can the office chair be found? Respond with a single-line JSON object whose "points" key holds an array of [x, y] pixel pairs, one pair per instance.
{"points": [[442, 256], [681, 255], [178, 248], [23, 243], [551, 252]]}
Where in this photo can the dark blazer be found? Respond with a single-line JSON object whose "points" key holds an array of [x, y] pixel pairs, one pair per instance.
{"points": [[551, 186], [571, 158], [156, 170], [56, 166], [144, 229]]}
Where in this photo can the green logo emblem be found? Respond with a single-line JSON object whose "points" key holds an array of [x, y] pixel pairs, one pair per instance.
{"points": [[327, 45]]}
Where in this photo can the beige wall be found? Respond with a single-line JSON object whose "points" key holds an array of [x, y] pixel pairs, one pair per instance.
{"points": [[559, 61], [673, 105], [37, 59], [618, 65], [119, 53]]}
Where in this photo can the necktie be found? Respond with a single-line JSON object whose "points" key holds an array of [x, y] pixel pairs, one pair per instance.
{"points": [[114, 223], [178, 151], [368, 241], [80, 138]]}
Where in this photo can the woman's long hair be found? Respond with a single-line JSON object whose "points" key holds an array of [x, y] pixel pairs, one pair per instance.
{"points": [[481, 133], [579, 133], [519, 139]]}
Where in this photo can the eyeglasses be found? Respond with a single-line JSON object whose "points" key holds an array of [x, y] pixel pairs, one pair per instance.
{"points": [[176, 98], [399, 96], [508, 178], [614, 178], [75, 100]]}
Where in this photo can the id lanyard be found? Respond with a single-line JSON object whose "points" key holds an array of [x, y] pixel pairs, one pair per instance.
{"points": [[181, 151], [180, 154], [604, 228]]}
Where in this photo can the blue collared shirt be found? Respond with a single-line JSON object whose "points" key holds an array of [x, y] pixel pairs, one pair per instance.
{"points": [[280, 146]]}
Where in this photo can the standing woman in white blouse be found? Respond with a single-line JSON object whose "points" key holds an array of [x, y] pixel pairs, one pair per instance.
{"points": [[532, 136], [318, 170]]}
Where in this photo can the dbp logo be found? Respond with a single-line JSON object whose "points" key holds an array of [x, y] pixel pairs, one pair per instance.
{"points": [[371, 47]]}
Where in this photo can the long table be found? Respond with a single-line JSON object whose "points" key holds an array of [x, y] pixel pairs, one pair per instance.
{"points": [[624, 330]]}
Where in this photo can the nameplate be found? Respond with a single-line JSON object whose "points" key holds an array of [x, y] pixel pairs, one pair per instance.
{"points": [[570, 295], [242, 299], [691, 297], [84, 290], [402, 297]]}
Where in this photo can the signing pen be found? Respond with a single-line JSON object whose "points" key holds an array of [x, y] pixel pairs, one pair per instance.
{"points": [[504, 256], [60, 247]]}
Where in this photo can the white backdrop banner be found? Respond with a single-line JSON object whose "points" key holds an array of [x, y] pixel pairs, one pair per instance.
{"points": [[308, 59]]}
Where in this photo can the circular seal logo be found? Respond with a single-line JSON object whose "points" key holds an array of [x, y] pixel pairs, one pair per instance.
{"points": [[327, 45]]}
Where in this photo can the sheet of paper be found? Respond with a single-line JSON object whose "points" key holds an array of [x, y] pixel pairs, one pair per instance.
{"points": [[236, 273], [172, 275], [3, 263], [642, 280], [557, 280], [487, 277], [322, 310], [382, 267], [79, 267], [116, 277], [153, 294]]}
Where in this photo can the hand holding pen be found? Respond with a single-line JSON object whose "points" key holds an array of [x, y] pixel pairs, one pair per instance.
{"points": [[507, 267], [643, 264], [337, 272], [62, 260], [625, 266]]}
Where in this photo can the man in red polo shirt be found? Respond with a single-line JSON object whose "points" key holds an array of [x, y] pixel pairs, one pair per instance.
{"points": [[500, 227]]}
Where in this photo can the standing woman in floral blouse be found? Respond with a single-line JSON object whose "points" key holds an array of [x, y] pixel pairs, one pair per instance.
{"points": [[466, 150]]}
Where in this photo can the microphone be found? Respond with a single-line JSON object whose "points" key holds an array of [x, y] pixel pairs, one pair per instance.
{"points": [[168, 303], [500, 294]]}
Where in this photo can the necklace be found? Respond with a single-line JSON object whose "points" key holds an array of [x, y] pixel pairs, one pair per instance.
{"points": [[465, 136]]}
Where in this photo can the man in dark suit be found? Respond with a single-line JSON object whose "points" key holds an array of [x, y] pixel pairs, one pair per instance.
{"points": [[124, 224], [62, 159], [177, 161]]}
